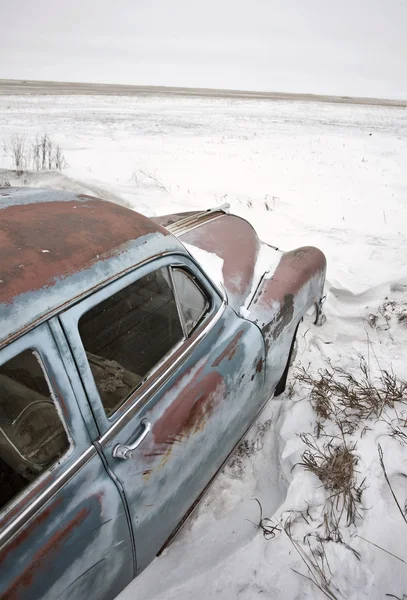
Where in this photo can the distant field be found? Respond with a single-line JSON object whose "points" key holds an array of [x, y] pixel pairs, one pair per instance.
{"points": [[329, 174], [14, 87]]}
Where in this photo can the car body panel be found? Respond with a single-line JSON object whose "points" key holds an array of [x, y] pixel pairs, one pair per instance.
{"points": [[234, 241], [57, 247], [199, 403], [69, 524], [197, 416], [281, 300], [86, 520]]}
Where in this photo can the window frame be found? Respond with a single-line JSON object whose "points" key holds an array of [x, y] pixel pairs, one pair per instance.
{"points": [[40, 340], [70, 324], [207, 298]]}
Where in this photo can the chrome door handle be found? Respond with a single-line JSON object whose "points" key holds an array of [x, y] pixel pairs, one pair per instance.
{"points": [[125, 452]]}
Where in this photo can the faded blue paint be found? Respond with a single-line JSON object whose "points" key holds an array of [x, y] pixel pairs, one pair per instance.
{"points": [[79, 543], [17, 196], [198, 416], [82, 524], [33, 307]]}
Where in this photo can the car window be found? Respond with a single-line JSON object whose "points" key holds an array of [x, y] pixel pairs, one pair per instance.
{"points": [[193, 302], [32, 435], [126, 335]]}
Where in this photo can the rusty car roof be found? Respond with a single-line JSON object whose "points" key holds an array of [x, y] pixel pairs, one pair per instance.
{"points": [[57, 246]]}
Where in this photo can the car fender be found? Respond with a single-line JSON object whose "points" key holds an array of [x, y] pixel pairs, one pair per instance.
{"points": [[281, 299]]}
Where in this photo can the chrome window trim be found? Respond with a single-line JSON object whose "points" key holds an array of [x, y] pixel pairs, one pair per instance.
{"points": [[139, 402], [45, 496], [178, 303], [41, 340], [57, 311], [69, 322], [200, 289], [189, 223]]}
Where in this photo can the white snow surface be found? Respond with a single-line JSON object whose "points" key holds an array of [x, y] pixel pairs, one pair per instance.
{"points": [[333, 176], [209, 261]]}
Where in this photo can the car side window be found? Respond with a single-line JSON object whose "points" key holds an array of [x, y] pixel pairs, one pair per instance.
{"points": [[32, 435], [126, 335], [193, 302]]}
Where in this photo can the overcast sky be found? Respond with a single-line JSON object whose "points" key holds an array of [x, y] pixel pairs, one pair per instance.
{"points": [[345, 47]]}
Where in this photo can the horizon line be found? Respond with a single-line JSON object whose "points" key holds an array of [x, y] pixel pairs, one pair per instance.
{"points": [[47, 87]]}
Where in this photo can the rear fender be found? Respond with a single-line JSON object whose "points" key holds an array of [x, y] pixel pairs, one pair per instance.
{"points": [[281, 301]]}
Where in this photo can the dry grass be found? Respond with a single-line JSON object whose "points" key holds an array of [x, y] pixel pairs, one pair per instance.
{"points": [[389, 311], [150, 180], [346, 405], [316, 562], [381, 460], [40, 154], [246, 449], [343, 398], [5, 181], [346, 401], [266, 525], [16, 148], [335, 465]]}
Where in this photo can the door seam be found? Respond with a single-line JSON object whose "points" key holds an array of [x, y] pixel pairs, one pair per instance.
{"points": [[122, 494]]}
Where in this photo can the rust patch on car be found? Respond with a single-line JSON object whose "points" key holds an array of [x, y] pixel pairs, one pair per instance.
{"points": [[20, 538], [52, 546], [230, 349], [40, 485], [259, 366], [188, 413], [44, 242], [294, 270], [282, 319]]}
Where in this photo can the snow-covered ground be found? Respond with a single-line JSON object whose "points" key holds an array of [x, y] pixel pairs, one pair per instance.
{"points": [[302, 173]]}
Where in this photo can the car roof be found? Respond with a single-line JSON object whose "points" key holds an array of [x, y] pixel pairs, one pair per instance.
{"points": [[57, 246]]}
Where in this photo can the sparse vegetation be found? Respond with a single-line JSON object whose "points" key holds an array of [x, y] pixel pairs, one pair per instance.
{"points": [[266, 525], [247, 448], [150, 179], [389, 310], [335, 465], [18, 151], [5, 181], [316, 562], [346, 405], [341, 397], [400, 509], [40, 154]]}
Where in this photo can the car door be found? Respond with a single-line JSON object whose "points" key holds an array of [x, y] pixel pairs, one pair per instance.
{"points": [[174, 378], [63, 528]]}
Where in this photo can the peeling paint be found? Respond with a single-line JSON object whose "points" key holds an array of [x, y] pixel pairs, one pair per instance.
{"points": [[229, 351]]}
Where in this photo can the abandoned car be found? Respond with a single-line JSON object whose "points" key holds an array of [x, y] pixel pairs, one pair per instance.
{"points": [[134, 355]]}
